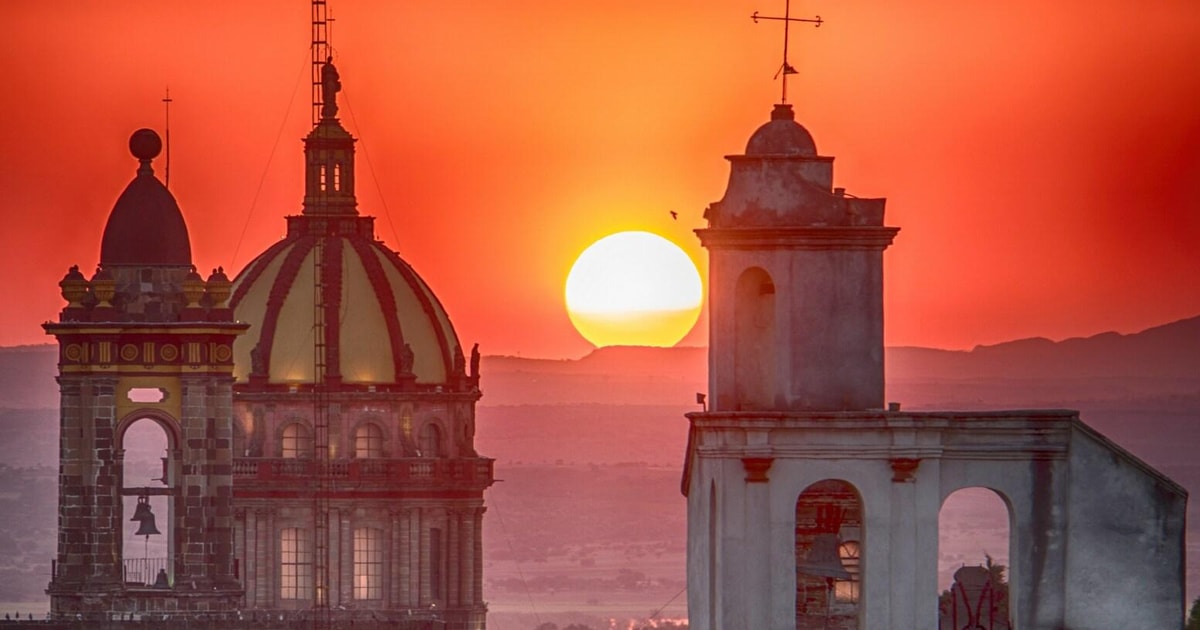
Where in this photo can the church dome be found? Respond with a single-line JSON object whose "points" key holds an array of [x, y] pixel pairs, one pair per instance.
{"points": [[782, 135], [383, 324], [146, 227]]}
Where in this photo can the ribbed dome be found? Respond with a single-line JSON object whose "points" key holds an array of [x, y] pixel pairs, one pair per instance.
{"points": [[782, 136], [374, 303], [146, 227]]}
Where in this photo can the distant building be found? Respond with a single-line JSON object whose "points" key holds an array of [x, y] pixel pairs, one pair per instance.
{"points": [[811, 505], [319, 412]]}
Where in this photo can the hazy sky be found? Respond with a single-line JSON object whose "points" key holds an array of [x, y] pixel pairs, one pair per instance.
{"points": [[1042, 159]]}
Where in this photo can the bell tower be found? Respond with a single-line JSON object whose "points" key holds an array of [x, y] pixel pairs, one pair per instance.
{"points": [[146, 338], [796, 281]]}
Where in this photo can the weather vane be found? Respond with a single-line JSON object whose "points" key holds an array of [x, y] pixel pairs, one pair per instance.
{"points": [[787, 19]]}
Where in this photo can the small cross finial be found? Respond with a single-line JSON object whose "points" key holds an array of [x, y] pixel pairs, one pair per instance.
{"points": [[786, 68], [167, 100]]}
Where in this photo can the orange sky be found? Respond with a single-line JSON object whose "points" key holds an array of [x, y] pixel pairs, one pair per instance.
{"points": [[1042, 159]]}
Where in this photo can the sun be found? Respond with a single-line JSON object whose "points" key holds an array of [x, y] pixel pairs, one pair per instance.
{"points": [[633, 289]]}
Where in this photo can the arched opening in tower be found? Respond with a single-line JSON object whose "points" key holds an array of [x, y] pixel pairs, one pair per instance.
{"points": [[974, 538], [754, 340], [829, 554], [147, 510]]}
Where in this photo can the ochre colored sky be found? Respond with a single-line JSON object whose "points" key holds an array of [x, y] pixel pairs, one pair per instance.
{"points": [[1042, 159]]}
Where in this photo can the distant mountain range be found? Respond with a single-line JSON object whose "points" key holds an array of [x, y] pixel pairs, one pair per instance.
{"points": [[1167, 351], [1165, 359]]}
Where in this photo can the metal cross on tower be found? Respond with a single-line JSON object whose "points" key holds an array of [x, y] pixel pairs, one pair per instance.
{"points": [[787, 19]]}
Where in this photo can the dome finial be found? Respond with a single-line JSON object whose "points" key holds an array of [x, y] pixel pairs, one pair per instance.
{"points": [[145, 145]]}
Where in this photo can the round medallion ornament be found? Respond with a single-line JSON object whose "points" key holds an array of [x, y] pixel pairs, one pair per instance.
{"points": [[129, 352], [169, 353], [222, 354], [73, 352]]}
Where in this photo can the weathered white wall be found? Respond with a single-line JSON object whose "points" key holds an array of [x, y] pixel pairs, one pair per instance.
{"points": [[1092, 528]]}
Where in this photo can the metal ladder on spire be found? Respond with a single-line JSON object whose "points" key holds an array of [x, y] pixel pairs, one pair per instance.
{"points": [[321, 596]]}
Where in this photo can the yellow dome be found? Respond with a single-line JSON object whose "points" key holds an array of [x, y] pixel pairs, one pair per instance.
{"points": [[383, 325]]}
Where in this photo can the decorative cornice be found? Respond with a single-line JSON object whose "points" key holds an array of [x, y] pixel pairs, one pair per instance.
{"points": [[808, 237]]}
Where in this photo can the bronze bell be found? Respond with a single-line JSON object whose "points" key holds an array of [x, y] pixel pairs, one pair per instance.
{"points": [[143, 514], [823, 559]]}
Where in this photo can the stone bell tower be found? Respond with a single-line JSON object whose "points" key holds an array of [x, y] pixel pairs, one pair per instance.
{"points": [[796, 281], [145, 338], [796, 338], [810, 506]]}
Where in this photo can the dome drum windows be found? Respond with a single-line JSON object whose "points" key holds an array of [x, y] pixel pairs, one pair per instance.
{"points": [[295, 441], [429, 441], [368, 441]]}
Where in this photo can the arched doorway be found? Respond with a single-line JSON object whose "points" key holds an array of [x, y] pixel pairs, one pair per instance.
{"points": [[829, 549], [147, 480], [974, 533]]}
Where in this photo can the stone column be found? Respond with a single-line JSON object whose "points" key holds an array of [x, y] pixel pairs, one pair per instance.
{"points": [[73, 555], [1038, 559], [425, 562], [250, 560], [467, 595], [756, 587], [391, 546], [402, 560], [453, 553], [105, 527], [345, 556], [477, 555], [269, 545], [902, 557]]}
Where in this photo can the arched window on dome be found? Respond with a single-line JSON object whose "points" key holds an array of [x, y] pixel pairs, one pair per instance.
{"points": [[430, 441], [368, 441], [337, 176], [295, 441]]}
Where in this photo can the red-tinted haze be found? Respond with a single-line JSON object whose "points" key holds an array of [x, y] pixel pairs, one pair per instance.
{"points": [[1043, 159]]}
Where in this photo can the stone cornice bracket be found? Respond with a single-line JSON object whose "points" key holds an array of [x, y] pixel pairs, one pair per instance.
{"points": [[756, 468], [904, 469]]}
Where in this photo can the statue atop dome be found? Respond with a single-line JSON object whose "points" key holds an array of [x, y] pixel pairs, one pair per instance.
{"points": [[331, 84]]}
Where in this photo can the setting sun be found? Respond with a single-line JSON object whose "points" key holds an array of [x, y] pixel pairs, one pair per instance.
{"points": [[633, 289]]}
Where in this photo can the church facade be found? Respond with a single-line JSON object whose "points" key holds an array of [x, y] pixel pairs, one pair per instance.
{"points": [[319, 411], [812, 505]]}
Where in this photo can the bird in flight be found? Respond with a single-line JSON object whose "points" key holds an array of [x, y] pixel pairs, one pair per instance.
{"points": [[674, 216]]}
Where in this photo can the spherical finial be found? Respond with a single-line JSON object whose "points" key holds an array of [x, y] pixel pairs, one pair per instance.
{"points": [[145, 144]]}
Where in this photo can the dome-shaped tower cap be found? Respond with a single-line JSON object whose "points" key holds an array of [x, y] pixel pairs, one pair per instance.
{"points": [[782, 136], [145, 227]]}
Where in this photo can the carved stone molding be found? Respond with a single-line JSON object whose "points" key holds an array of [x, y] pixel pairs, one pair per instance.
{"points": [[756, 468], [904, 469]]}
